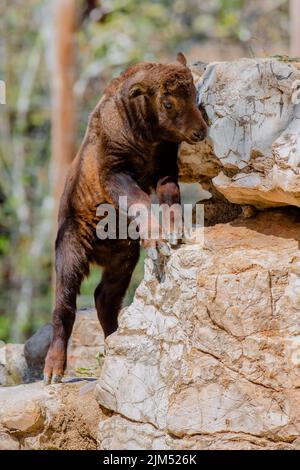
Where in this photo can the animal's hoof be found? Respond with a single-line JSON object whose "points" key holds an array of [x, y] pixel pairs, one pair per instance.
{"points": [[164, 249], [56, 379], [173, 238], [152, 253], [47, 379]]}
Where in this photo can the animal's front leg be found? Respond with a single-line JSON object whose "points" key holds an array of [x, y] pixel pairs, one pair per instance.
{"points": [[168, 193], [150, 232]]}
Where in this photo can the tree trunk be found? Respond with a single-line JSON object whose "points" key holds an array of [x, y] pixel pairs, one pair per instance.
{"points": [[295, 28], [63, 108]]}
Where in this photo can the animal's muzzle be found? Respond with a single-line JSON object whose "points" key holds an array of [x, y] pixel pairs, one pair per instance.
{"points": [[199, 135]]}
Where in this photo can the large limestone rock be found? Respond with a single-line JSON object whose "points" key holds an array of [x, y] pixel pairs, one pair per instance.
{"points": [[252, 155], [34, 417], [210, 357]]}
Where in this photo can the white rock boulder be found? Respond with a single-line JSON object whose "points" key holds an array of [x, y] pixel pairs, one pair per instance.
{"points": [[253, 151]]}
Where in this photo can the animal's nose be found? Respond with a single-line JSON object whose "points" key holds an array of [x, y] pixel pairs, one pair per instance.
{"points": [[200, 134]]}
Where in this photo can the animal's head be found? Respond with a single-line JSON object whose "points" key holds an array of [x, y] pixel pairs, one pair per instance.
{"points": [[170, 94]]}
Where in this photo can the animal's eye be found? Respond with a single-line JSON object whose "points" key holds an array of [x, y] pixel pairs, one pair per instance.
{"points": [[168, 105]]}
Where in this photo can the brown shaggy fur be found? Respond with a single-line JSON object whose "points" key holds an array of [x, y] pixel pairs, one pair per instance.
{"points": [[130, 148]]}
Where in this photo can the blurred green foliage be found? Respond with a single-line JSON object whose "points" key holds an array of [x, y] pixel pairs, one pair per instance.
{"points": [[109, 37]]}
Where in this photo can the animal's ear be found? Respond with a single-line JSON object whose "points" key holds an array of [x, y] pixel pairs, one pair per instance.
{"points": [[137, 89], [181, 58]]}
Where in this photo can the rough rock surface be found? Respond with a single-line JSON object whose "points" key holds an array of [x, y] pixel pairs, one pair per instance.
{"points": [[55, 417], [209, 358], [13, 366], [252, 155]]}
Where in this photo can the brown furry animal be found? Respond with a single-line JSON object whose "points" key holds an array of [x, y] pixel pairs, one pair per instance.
{"points": [[130, 148]]}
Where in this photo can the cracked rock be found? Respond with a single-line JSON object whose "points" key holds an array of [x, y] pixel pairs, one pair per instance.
{"points": [[209, 358], [252, 155]]}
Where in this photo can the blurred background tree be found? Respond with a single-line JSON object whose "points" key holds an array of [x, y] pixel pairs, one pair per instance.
{"points": [[106, 37]]}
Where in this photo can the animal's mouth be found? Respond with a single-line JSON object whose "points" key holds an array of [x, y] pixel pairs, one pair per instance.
{"points": [[192, 138]]}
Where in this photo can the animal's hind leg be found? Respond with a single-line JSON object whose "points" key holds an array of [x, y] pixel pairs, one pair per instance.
{"points": [[71, 266], [112, 288]]}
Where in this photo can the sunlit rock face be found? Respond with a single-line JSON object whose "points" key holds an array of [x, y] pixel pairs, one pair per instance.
{"points": [[252, 154], [58, 417], [209, 358]]}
